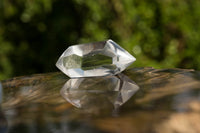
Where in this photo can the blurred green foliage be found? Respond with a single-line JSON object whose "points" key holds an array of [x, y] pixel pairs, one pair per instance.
{"points": [[160, 33]]}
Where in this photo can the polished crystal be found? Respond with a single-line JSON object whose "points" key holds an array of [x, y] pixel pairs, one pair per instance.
{"points": [[94, 59], [99, 91]]}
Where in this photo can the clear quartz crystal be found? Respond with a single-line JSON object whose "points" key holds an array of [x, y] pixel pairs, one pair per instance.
{"points": [[90, 92], [94, 59]]}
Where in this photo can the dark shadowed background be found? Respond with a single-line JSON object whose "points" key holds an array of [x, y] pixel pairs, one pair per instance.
{"points": [[34, 33]]}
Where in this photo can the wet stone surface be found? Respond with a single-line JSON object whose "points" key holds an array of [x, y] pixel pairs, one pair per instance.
{"points": [[167, 100]]}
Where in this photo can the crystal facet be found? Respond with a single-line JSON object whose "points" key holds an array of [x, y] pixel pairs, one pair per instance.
{"points": [[91, 92], [94, 59]]}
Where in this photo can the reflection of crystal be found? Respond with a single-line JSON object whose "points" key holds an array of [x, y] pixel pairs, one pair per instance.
{"points": [[99, 91], [94, 59]]}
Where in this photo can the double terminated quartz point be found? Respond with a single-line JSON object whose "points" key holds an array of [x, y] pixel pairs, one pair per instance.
{"points": [[94, 59]]}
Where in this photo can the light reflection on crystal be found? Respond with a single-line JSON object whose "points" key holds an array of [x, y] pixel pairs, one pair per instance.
{"points": [[94, 59], [99, 92]]}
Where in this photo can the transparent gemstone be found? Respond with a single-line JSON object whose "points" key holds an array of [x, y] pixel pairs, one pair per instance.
{"points": [[91, 92], [94, 59]]}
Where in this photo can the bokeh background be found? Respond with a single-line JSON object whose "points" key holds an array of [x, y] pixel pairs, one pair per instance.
{"points": [[159, 33]]}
